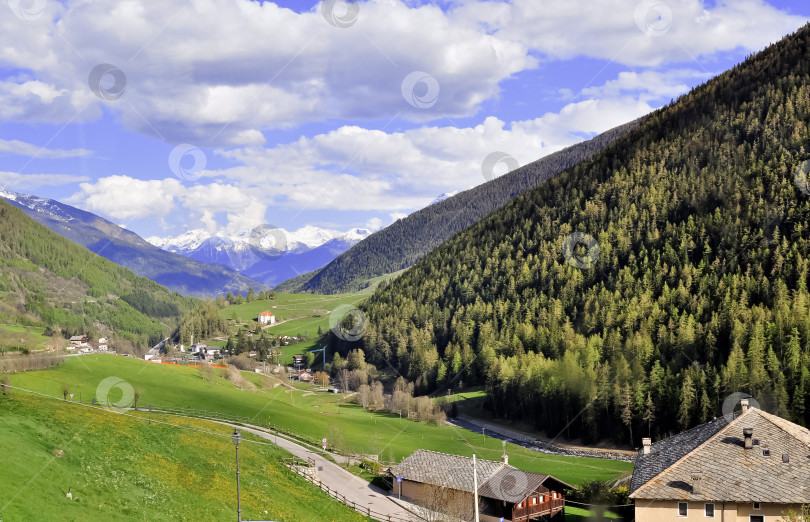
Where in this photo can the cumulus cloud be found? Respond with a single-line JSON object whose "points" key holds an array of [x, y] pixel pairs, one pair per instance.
{"points": [[374, 224], [353, 168], [220, 72], [634, 32], [125, 198], [356, 168]]}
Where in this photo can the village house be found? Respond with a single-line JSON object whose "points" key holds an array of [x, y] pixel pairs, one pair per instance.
{"points": [[267, 317], [102, 344], [78, 340], [750, 466], [444, 483]]}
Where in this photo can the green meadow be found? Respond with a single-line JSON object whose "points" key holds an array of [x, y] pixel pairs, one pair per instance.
{"points": [[15, 337], [296, 314], [346, 425], [116, 467]]}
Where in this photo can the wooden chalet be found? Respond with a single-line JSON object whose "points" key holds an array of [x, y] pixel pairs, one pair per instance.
{"points": [[444, 483]]}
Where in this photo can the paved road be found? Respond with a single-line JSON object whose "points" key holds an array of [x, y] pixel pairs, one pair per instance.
{"points": [[338, 479]]}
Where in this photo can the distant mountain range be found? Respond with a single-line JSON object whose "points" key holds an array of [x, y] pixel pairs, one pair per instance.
{"points": [[267, 254], [176, 272]]}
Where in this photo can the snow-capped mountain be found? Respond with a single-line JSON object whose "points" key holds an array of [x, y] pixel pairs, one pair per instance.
{"points": [[265, 253], [176, 272], [266, 236]]}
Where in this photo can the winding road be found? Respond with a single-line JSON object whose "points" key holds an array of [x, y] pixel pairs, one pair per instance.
{"points": [[339, 480]]}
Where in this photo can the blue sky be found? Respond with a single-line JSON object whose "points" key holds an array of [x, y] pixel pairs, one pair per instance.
{"points": [[328, 114]]}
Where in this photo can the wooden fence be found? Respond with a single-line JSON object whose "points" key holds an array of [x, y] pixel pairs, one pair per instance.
{"points": [[295, 466]]}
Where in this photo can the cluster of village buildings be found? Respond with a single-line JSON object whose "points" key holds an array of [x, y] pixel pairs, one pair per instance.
{"points": [[81, 344]]}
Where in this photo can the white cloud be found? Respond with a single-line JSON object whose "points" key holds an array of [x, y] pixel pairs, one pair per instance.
{"points": [[374, 224], [649, 85], [125, 198], [352, 168], [18, 181], [220, 71], [634, 32], [22, 148], [356, 168]]}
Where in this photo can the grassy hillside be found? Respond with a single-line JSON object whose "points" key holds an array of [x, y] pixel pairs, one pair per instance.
{"points": [[120, 468], [319, 415], [402, 243], [686, 284], [46, 280], [296, 314]]}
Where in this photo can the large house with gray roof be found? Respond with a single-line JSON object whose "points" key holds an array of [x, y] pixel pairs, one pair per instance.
{"points": [[444, 483], [749, 466]]}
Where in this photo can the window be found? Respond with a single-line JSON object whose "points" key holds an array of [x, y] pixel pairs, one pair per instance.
{"points": [[542, 498], [709, 511], [520, 504], [554, 495], [534, 501], [756, 505], [756, 518], [683, 510]]}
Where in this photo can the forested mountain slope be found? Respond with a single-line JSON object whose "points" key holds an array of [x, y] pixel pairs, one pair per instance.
{"points": [[698, 291], [402, 243], [176, 272], [47, 279]]}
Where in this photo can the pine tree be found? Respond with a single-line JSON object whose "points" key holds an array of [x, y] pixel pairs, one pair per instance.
{"points": [[649, 414], [687, 402]]}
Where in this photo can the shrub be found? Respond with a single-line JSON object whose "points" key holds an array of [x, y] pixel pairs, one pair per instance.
{"points": [[371, 466]]}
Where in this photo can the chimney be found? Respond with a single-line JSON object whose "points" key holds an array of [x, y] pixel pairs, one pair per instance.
{"points": [[505, 459], [647, 443], [748, 434], [697, 483], [744, 404]]}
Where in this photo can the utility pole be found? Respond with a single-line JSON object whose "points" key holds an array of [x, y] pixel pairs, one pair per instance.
{"points": [[237, 437], [475, 487]]}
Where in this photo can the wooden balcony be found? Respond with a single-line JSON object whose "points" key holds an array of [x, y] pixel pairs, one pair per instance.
{"points": [[530, 511]]}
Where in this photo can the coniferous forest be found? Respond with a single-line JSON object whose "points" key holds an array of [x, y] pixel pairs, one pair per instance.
{"points": [[48, 280], [698, 290]]}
